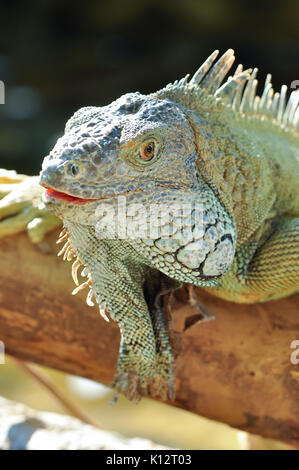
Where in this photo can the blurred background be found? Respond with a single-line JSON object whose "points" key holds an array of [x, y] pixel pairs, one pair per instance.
{"points": [[56, 56]]}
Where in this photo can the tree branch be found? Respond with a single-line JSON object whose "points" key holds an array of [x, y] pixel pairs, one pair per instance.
{"points": [[22, 428], [235, 369]]}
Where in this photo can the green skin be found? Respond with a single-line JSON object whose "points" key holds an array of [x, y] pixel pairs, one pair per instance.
{"points": [[242, 169]]}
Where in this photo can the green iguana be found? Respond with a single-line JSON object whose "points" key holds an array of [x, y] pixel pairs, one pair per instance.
{"points": [[229, 156]]}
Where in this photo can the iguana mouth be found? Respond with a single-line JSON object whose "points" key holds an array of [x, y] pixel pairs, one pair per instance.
{"points": [[57, 195], [52, 194]]}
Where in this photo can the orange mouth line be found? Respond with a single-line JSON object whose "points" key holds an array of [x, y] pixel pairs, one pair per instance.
{"points": [[53, 194]]}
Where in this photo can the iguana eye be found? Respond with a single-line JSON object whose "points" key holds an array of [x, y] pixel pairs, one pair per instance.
{"points": [[147, 151], [75, 169]]}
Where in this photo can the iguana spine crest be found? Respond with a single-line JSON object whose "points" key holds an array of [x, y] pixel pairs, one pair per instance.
{"points": [[208, 78]]}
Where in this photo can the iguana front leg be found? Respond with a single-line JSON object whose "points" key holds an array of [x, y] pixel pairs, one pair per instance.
{"points": [[157, 286], [137, 355], [271, 272], [21, 207], [117, 281], [146, 359]]}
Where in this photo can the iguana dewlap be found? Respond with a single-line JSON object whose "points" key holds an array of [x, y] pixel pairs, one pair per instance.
{"points": [[228, 155]]}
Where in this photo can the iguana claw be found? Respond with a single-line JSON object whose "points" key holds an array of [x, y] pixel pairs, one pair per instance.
{"points": [[21, 207], [134, 387]]}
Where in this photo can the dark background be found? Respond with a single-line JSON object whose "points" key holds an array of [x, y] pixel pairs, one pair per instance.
{"points": [[56, 56]]}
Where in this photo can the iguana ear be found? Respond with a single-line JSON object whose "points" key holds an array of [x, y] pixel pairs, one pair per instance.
{"points": [[207, 82]]}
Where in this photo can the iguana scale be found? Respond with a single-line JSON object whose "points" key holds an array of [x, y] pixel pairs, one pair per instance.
{"points": [[211, 145]]}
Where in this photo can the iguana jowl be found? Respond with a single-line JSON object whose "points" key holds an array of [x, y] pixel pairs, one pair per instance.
{"points": [[197, 142]]}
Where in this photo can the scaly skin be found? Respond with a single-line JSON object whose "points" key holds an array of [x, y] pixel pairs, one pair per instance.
{"points": [[232, 156]]}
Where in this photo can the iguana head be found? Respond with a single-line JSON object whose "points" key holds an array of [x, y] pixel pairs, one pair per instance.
{"points": [[127, 147], [142, 148]]}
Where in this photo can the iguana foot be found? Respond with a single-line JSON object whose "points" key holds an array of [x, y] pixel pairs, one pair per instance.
{"points": [[162, 385], [22, 208], [8, 180], [129, 385], [134, 387]]}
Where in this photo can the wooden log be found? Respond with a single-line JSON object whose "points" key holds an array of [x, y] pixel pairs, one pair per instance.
{"points": [[236, 369]]}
